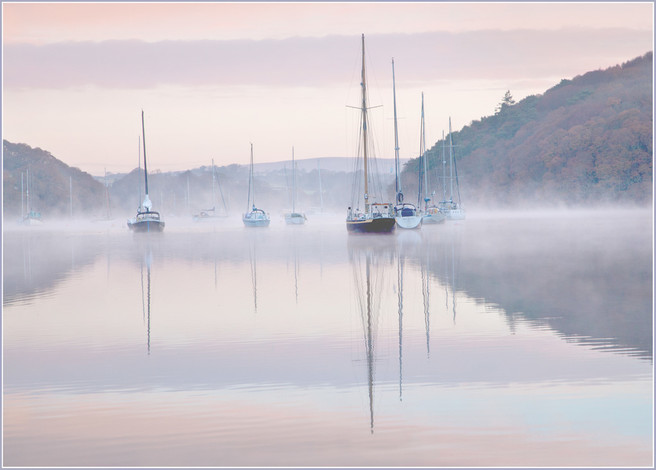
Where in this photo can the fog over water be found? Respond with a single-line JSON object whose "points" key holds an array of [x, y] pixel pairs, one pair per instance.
{"points": [[526, 335]]}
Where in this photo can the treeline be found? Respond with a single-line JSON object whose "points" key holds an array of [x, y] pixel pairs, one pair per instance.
{"points": [[52, 184], [585, 141]]}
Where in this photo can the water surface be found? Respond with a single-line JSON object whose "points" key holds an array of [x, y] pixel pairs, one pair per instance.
{"points": [[514, 339]]}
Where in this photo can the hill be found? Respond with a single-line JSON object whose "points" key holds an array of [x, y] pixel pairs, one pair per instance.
{"points": [[51, 185], [586, 141]]}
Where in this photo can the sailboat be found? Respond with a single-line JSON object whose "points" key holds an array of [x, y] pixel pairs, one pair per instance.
{"points": [[431, 213], [377, 217], [294, 218], [254, 217], [146, 219], [210, 214], [405, 213], [31, 217], [452, 209]]}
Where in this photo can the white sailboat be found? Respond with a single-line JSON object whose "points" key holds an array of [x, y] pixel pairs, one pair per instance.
{"points": [[211, 214], [376, 217], [452, 209], [405, 213], [254, 217], [431, 214], [294, 218], [146, 219]]}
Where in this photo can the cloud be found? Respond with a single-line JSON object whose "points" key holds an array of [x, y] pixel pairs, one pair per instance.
{"points": [[319, 62]]}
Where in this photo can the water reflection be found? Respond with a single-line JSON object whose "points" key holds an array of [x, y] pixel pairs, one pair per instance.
{"points": [[365, 339]]}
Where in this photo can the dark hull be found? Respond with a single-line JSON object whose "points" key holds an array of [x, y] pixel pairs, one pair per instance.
{"points": [[146, 226], [378, 225]]}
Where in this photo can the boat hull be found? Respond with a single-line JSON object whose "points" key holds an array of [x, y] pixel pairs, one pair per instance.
{"points": [[377, 225], [409, 222], [433, 219], [456, 214], [146, 226], [294, 219], [256, 221]]}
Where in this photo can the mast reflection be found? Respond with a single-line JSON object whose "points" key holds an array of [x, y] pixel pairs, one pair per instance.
{"points": [[366, 259], [145, 299]]}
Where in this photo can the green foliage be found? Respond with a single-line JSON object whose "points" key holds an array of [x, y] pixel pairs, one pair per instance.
{"points": [[587, 140]]}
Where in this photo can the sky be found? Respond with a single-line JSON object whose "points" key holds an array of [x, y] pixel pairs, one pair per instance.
{"points": [[213, 77]]}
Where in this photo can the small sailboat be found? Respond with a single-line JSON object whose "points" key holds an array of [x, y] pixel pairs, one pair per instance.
{"points": [[211, 214], [31, 217], [376, 217], [405, 213], [452, 209], [254, 217], [146, 219], [431, 213], [294, 218]]}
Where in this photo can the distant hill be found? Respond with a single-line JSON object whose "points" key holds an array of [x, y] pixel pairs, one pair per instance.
{"points": [[587, 140], [50, 184]]}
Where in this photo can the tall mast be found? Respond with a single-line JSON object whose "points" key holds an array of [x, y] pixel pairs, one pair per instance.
{"points": [[399, 196], [293, 183], [212, 182], [139, 171], [250, 183], [422, 150], [450, 160], [443, 168], [364, 133], [143, 131], [320, 188], [27, 190]]}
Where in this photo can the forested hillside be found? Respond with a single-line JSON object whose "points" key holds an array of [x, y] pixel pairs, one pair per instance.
{"points": [[52, 184], [587, 140]]}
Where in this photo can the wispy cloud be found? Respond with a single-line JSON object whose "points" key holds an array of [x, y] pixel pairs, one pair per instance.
{"points": [[317, 62]]}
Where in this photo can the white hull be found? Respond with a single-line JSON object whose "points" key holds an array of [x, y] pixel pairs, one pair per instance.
{"points": [[434, 218], [455, 214], [409, 222], [31, 222], [256, 218], [295, 219]]}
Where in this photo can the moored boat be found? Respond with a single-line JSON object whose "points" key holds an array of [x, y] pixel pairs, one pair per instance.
{"points": [[254, 217], [146, 219], [376, 217]]}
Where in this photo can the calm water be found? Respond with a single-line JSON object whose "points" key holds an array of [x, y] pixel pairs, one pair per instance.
{"points": [[503, 340]]}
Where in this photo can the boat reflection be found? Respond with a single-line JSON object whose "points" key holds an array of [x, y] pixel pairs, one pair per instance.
{"points": [[369, 257]]}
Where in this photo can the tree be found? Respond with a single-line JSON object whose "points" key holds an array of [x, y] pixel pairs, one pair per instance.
{"points": [[506, 101]]}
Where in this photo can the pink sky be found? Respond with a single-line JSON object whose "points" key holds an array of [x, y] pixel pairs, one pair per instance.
{"points": [[212, 77]]}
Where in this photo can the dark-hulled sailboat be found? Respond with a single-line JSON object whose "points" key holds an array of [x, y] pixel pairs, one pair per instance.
{"points": [[376, 217]]}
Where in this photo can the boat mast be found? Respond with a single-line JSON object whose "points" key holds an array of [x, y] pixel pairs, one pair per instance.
{"points": [[443, 168], [293, 183], [139, 171], [147, 204], [320, 188], [250, 183], [27, 191], [422, 150], [364, 133], [213, 183], [399, 194], [450, 160], [143, 131]]}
